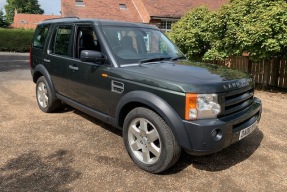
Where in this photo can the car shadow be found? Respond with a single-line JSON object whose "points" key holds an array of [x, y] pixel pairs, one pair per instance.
{"points": [[222, 160], [271, 89], [219, 161], [33, 172], [64, 108], [99, 123]]}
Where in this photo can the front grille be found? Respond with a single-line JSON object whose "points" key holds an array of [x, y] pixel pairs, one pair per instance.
{"points": [[234, 101]]}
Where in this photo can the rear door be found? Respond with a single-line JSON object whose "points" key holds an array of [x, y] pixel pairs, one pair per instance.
{"points": [[58, 57], [38, 44]]}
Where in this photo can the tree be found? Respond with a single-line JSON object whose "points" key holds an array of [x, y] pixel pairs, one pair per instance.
{"points": [[258, 27], [191, 33], [21, 6], [3, 22]]}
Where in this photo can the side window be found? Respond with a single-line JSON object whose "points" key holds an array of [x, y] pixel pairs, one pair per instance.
{"points": [[86, 40], [41, 36], [61, 41]]}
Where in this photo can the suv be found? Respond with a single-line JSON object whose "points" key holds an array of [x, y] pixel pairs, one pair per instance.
{"points": [[133, 77]]}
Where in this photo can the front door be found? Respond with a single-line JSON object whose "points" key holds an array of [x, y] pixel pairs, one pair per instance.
{"points": [[89, 83]]}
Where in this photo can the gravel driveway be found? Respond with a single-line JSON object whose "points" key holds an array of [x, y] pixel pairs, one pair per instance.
{"points": [[71, 151]]}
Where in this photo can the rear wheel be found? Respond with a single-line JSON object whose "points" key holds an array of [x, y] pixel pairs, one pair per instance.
{"points": [[149, 141], [46, 100]]}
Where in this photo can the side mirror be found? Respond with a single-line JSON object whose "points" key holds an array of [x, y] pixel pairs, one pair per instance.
{"points": [[92, 56]]}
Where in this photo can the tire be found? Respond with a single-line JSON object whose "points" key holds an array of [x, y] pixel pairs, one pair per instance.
{"points": [[149, 141], [46, 100]]}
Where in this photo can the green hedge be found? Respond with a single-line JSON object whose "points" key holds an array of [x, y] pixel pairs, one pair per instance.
{"points": [[16, 40]]}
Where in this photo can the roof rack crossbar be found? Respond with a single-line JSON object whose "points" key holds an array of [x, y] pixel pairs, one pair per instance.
{"points": [[63, 18]]}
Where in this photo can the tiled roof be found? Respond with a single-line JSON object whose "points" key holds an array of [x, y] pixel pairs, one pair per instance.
{"points": [[136, 10], [22, 20], [177, 8], [102, 9]]}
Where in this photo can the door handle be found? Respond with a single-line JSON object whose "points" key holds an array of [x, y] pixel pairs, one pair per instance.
{"points": [[47, 60], [74, 68]]}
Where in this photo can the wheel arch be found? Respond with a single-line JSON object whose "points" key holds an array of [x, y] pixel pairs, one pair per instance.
{"points": [[39, 71], [158, 105]]}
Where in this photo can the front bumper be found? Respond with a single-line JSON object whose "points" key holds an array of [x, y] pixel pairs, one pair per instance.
{"points": [[212, 135]]}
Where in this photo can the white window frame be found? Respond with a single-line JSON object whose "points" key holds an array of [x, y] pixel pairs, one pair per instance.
{"points": [[79, 2], [123, 6], [165, 21]]}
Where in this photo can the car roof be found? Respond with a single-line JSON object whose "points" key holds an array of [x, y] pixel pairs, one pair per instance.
{"points": [[96, 21]]}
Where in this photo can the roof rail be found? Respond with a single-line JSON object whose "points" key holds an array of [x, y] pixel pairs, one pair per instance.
{"points": [[62, 18]]}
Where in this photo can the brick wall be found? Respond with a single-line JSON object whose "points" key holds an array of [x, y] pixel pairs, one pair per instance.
{"points": [[142, 10], [101, 9], [136, 10]]}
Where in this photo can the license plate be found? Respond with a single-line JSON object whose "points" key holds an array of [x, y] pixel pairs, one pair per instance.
{"points": [[248, 130]]}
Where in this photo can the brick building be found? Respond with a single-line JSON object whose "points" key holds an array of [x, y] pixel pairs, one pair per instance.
{"points": [[29, 21], [158, 12]]}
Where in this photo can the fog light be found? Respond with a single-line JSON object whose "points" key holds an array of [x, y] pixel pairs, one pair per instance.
{"points": [[216, 134]]}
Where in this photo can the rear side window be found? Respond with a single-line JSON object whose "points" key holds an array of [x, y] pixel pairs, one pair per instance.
{"points": [[41, 36], [61, 41]]}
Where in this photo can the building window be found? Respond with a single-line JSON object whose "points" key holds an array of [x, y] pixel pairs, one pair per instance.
{"points": [[123, 6], [165, 25], [23, 21], [80, 2]]}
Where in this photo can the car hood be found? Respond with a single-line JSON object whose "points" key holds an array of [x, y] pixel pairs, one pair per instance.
{"points": [[186, 76]]}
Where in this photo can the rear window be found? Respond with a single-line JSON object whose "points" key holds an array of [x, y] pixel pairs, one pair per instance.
{"points": [[41, 36]]}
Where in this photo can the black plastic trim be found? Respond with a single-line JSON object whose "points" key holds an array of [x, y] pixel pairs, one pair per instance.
{"points": [[162, 108], [41, 68], [85, 109], [200, 131], [238, 107], [238, 99]]}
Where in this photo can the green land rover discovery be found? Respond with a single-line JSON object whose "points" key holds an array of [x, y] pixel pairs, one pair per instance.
{"points": [[133, 77]]}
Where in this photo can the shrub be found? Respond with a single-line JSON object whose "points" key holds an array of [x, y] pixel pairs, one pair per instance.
{"points": [[257, 27], [192, 33], [16, 40]]}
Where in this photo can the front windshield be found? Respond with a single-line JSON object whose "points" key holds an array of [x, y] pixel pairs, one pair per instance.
{"points": [[133, 44]]}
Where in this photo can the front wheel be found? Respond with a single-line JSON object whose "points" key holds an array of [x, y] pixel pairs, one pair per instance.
{"points": [[149, 141]]}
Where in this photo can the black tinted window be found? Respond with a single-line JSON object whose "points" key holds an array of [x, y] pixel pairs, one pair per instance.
{"points": [[61, 40], [86, 40], [41, 36]]}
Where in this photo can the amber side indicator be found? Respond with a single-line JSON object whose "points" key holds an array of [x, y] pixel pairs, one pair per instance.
{"points": [[190, 103], [104, 75]]}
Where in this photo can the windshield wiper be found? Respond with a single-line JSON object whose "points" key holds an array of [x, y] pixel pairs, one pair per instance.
{"points": [[177, 58], [152, 59]]}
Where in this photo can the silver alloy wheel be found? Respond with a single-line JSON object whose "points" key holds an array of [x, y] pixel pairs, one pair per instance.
{"points": [[42, 95], [144, 140]]}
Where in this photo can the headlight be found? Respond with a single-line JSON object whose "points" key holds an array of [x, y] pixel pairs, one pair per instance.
{"points": [[201, 106]]}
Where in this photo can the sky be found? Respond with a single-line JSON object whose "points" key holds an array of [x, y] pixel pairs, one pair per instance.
{"points": [[50, 6]]}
